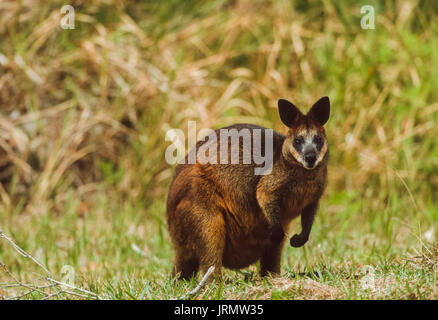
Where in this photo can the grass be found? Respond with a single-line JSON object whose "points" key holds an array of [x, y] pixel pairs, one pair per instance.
{"points": [[84, 114]]}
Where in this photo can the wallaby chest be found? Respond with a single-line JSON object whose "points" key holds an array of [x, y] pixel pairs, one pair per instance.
{"points": [[298, 193]]}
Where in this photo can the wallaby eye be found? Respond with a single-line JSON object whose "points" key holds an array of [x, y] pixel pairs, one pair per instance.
{"points": [[318, 141], [298, 141]]}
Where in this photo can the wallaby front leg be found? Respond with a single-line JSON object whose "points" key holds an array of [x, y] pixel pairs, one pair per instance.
{"points": [[307, 217]]}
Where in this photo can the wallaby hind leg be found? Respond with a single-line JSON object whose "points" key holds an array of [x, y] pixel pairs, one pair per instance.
{"points": [[212, 242], [180, 222], [210, 261], [185, 267], [198, 248]]}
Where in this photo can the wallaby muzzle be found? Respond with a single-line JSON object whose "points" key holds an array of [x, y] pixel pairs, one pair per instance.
{"points": [[310, 157]]}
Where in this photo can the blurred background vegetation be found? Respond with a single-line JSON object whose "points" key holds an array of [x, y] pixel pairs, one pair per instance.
{"points": [[84, 114]]}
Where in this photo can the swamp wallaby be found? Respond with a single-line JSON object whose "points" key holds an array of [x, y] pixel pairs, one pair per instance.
{"points": [[224, 214]]}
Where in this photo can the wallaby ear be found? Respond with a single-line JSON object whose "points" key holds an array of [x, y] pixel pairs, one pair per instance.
{"points": [[320, 111], [289, 114]]}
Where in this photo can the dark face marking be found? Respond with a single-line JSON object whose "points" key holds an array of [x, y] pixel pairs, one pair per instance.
{"points": [[308, 146], [319, 142], [298, 143]]}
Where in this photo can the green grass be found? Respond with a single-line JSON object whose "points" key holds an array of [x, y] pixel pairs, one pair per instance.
{"points": [[83, 175], [333, 264]]}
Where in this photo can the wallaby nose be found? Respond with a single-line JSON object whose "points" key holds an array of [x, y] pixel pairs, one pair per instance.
{"points": [[310, 159]]}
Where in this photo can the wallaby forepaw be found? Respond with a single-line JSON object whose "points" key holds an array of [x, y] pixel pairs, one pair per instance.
{"points": [[297, 241]]}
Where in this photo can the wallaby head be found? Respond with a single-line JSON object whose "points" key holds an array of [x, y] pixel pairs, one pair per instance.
{"points": [[306, 142]]}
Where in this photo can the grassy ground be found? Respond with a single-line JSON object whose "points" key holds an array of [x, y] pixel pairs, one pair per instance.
{"points": [[82, 139]]}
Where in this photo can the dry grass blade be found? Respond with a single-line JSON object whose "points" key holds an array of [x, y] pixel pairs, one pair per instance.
{"points": [[89, 293], [200, 285], [51, 283], [24, 253]]}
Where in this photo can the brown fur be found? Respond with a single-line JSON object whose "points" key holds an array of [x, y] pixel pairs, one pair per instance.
{"points": [[225, 215]]}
